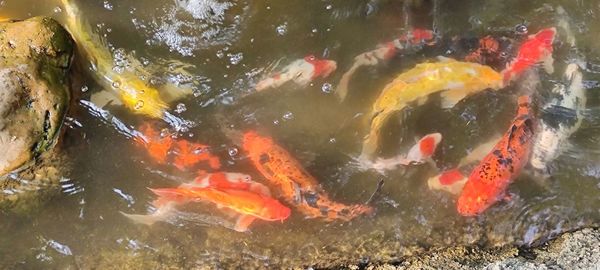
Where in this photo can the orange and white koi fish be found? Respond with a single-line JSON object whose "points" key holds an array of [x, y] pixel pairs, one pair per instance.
{"points": [[181, 153], [249, 205], [488, 182], [454, 180], [537, 48], [410, 41], [454, 81], [301, 72], [293, 183], [235, 191], [420, 153]]}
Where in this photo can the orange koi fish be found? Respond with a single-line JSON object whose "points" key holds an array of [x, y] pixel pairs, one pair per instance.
{"points": [[301, 72], [489, 180], [410, 41], [293, 182], [537, 48], [250, 205], [420, 153], [181, 153]]}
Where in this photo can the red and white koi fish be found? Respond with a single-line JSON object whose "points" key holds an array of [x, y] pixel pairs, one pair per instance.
{"points": [[413, 39], [181, 153], [301, 72], [420, 153], [454, 180], [537, 48], [488, 182]]}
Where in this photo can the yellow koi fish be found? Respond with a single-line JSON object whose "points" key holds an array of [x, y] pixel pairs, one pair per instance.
{"points": [[133, 92], [455, 80]]}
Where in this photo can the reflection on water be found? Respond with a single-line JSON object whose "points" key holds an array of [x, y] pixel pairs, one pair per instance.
{"points": [[231, 45]]}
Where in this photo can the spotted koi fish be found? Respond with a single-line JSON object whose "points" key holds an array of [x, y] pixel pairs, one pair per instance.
{"points": [[537, 48], [181, 153], [453, 79], [293, 183], [408, 42], [301, 72], [488, 182]]}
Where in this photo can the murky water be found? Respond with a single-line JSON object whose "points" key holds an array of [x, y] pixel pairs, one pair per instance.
{"points": [[232, 44]]}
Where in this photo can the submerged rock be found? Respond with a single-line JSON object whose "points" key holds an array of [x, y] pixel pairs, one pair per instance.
{"points": [[35, 57]]}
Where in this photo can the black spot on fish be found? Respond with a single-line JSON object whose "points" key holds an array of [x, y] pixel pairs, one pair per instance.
{"points": [[264, 158], [311, 199]]}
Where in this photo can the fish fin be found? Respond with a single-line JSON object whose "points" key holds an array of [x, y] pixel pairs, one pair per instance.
{"points": [[341, 91], [104, 98], [451, 97], [243, 222], [548, 64], [371, 142], [171, 92], [144, 219], [422, 100], [445, 59]]}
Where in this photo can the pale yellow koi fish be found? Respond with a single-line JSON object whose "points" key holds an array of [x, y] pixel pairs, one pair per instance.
{"points": [[454, 80], [133, 92]]}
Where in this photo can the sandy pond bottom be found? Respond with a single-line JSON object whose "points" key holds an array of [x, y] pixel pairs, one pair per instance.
{"points": [[231, 45]]}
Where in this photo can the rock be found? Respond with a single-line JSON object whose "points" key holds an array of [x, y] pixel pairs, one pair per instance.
{"points": [[35, 57]]}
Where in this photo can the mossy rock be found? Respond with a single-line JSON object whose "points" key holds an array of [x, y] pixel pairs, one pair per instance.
{"points": [[35, 57]]}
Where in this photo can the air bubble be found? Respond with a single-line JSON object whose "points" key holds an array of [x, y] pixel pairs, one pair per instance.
{"points": [[233, 151], [281, 29], [108, 5], [327, 88], [84, 88], [57, 10], [139, 105], [116, 84], [288, 116], [521, 29], [180, 108], [236, 58]]}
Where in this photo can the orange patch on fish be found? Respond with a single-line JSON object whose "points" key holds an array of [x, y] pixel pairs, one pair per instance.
{"points": [[293, 183], [535, 49], [181, 153]]}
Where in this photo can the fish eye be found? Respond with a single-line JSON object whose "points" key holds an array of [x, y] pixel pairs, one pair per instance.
{"points": [[521, 29]]}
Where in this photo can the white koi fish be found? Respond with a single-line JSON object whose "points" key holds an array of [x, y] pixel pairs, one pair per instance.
{"points": [[302, 72], [561, 117], [420, 153]]}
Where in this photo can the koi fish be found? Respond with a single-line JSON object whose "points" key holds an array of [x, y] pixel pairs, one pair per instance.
{"points": [[560, 119], [489, 180], [301, 72], [421, 152], [537, 48], [455, 80], [454, 180], [235, 191], [293, 183], [249, 205], [181, 153], [411, 41], [131, 91]]}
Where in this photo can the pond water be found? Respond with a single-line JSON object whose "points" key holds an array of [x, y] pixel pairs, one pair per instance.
{"points": [[232, 45]]}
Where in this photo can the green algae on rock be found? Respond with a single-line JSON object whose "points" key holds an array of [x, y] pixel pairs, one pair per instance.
{"points": [[35, 57]]}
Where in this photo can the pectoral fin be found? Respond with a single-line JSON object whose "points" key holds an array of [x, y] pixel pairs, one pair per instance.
{"points": [[451, 97], [548, 64], [105, 98], [243, 222]]}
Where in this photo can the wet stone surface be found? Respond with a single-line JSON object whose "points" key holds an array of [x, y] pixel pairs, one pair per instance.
{"points": [[35, 56]]}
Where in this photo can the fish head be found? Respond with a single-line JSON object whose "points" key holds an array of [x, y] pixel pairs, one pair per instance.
{"points": [[238, 177], [276, 211], [544, 38], [322, 67]]}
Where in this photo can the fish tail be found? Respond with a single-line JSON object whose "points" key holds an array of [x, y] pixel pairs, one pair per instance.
{"points": [[148, 219], [371, 142]]}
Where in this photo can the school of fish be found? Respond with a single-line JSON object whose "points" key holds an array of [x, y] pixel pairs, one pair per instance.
{"points": [[480, 180]]}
